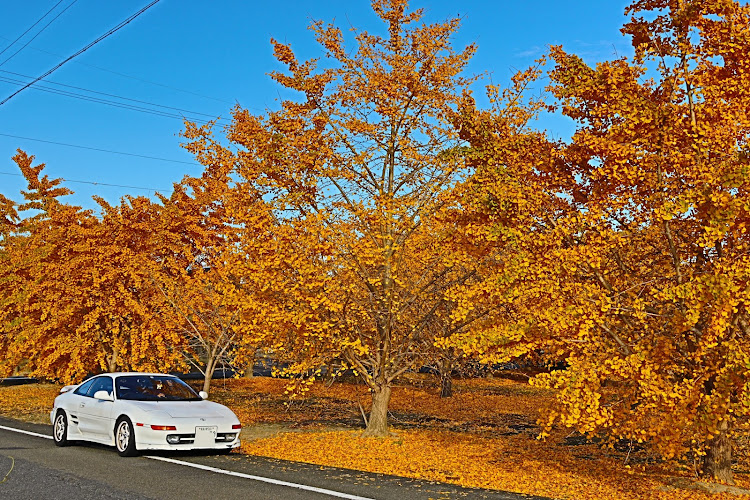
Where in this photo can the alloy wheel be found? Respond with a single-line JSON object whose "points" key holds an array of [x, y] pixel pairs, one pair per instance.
{"points": [[123, 436]]}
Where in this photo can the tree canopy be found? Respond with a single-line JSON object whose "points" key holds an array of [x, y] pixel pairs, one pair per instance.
{"points": [[630, 250]]}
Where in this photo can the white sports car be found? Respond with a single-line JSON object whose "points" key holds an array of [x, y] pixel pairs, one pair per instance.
{"points": [[142, 411]]}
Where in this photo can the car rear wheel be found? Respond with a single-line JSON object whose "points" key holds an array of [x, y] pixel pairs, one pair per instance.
{"points": [[60, 429], [125, 438]]}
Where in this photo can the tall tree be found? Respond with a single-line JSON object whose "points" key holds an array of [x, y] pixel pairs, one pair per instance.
{"points": [[68, 305], [631, 255], [79, 299], [9, 279], [357, 167]]}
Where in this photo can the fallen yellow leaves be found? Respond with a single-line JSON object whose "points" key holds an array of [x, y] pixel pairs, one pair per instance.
{"points": [[481, 458], [31, 403], [510, 464], [495, 405], [484, 454]]}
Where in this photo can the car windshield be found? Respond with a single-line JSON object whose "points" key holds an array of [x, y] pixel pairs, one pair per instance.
{"points": [[154, 388]]}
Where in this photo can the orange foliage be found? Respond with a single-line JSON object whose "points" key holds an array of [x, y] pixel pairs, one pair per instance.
{"points": [[358, 172], [85, 293], [381, 221], [627, 255]]}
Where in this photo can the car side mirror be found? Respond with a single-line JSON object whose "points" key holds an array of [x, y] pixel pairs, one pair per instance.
{"points": [[103, 396], [203, 395]]}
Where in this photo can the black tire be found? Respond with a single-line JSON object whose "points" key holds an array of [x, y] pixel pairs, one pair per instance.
{"points": [[60, 429], [125, 438]]}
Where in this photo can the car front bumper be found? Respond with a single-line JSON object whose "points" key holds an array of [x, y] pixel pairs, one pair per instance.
{"points": [[185, 432], [182, 447]]}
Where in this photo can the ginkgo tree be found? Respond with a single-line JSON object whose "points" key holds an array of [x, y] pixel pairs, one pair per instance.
{"points": [[63, 316], [359, 167], [630, 255], [209, 299], [79, 294]]}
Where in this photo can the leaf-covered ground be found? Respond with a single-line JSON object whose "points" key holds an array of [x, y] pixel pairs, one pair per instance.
{"points": [[484, 436], [31, 403]]}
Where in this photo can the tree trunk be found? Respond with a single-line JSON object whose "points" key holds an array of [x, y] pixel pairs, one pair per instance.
{"points": [[446, 385], [446, 382], [210, 366], [717, 464], [377, 425], [248, 373], [112, 360], [207, 381]]}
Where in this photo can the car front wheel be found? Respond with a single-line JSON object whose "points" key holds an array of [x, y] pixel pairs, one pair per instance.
{"points": [[60, 429], [125, 438]]}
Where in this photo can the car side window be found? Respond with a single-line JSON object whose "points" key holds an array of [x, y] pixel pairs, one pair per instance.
{"points": [[83, 389], [100, 384]]}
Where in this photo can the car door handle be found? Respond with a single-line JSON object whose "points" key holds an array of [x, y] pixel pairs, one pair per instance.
{"points": [[83, 405]]}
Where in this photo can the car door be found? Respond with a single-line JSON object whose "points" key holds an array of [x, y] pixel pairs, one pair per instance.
{"points": [[75, 403], [94, 414]]}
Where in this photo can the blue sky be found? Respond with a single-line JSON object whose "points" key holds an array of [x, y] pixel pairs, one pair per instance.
{"points": [[203, 56]]}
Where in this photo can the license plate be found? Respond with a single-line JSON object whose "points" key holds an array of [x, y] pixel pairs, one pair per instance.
{"points": [[205, 436]]}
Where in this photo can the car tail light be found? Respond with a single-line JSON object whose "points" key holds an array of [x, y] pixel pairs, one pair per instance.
{"points": [[237, 426], [164, 427]]}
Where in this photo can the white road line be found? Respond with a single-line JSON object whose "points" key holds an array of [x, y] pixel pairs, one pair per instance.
{"points": [[21, 431], [324, 491], [261, 478]]}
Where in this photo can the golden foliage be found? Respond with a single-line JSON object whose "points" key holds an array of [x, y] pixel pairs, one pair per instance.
{"points": [[85, 293], [625, 251], [358, 172], [381, 222]]}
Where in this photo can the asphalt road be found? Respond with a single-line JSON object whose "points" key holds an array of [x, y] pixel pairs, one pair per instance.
{"points": [[37, 470]]}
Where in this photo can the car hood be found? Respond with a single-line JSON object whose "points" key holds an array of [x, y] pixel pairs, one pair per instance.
{"points": [[186, 409]]}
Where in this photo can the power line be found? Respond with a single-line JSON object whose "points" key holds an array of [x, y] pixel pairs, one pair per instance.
{"points": [[101, 150], [39, 32], [112, 95], [101, 101], [87, 47], [30, 27], [108, 101], [131, 77], [95, 183]]}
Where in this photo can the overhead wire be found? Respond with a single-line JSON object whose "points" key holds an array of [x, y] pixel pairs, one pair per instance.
{"points": [[111, 95], [39, 32], [95, 183], [125, 105], [99, 68], [103, 101], [110, 102], [29, 28], [81, 51], [100, 150]]}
